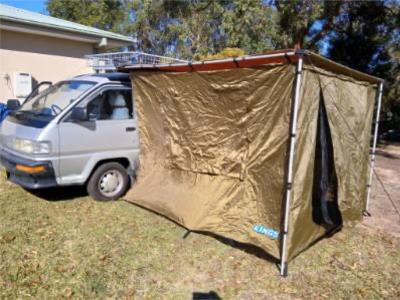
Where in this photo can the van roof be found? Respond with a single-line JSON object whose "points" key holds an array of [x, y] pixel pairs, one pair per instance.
{"points": [[114, 76]]}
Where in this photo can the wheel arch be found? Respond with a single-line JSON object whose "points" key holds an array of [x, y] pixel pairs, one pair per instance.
{"points": [[121, 160]]}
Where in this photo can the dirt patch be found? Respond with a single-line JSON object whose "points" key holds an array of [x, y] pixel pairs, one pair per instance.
{"points": [[384, 215]]}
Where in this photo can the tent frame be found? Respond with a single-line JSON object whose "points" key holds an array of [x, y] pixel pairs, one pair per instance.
{"points": [[288, 56], [290, 167], [290, 163], [375, 140]]}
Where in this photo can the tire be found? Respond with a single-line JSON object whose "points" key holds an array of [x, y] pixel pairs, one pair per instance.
{"points": [[108, 182]]}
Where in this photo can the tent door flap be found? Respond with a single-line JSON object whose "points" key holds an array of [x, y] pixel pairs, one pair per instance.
{"points": [[325, 208]]}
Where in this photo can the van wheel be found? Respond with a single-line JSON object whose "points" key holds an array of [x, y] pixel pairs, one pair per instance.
{"points": [[108, 182]]}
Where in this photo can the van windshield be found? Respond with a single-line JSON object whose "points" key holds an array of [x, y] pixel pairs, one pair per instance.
{"points": [[55, 99]]}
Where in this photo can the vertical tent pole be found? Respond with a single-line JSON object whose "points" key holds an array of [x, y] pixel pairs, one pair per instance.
{"points": [[289, 178], [372, 158]]}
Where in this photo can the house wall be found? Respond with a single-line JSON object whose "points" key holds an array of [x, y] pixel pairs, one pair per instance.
{"points": [[46, 58]]}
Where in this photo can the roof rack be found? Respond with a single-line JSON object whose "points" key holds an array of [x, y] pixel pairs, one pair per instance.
{"points": [[282, 56], [111, 61]]}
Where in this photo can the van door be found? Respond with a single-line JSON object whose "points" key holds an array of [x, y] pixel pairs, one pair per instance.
{"points": [[110, 132]]}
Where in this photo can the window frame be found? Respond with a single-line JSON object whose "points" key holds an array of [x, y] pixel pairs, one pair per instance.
{"points": [[109, 87]]}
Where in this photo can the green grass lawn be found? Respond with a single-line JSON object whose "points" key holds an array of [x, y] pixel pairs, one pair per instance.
{"points": [[79, 248]]}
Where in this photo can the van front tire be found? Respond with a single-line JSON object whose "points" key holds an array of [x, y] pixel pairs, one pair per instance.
{"points": [[108, 182]]}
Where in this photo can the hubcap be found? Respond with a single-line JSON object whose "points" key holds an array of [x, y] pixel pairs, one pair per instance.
{"points": [[110, 183]]}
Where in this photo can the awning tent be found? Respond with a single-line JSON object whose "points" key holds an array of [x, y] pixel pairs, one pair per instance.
{"points": [[270, 150]]}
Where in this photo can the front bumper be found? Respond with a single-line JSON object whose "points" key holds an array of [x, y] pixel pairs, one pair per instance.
{"points": [[43, 179]]}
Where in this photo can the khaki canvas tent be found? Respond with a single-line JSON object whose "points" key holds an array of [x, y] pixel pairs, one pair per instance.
{"points": [[269, 150]]}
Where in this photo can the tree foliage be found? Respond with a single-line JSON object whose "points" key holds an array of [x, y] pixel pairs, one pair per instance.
{"points": [[191, 28], [227, 52], [361, 34], [249, 25], [304, 23], [183, 28], [366, 37], [370, 24], [104, 14]]}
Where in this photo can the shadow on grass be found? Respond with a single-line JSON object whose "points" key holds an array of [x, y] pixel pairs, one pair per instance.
{"points": [[206, 296], [60, 193], [386, 154], [248, 248]]}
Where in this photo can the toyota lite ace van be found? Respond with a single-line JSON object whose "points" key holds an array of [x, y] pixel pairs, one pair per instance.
{"points": [[81, 131]]}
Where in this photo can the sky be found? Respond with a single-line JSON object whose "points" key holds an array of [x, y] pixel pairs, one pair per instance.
{"points": [[32, 5]]}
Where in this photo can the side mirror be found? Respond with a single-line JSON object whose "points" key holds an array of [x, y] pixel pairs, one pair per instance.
{"points": [[79, 114], [13, 104]]}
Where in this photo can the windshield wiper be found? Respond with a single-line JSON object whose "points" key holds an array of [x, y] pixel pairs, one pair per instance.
{"points": [[16, 113], [20, 112], [30, 112]]}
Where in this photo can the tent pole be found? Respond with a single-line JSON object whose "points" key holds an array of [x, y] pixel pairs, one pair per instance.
{"points": [[372, 158], [289, 178]]}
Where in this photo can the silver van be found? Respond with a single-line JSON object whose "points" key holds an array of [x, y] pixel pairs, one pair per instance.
{"points": [[81, 131]]}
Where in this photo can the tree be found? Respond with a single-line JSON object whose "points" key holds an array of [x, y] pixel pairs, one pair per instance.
{"points": [[304, 23], [392, 84], [362, 23], [192, 28], [250, 25], [363, 35], [225, 53], [366, 37], [360, 34], [180, 28], [108, 15]]}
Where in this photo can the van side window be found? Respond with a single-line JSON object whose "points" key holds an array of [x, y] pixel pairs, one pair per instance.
{"points": [[111, 105]]}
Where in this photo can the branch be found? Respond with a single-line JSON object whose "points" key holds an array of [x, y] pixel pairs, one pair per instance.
{"points": [[199, 9], [327, 26]]}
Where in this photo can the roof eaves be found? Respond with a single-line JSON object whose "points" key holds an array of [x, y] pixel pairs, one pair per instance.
{"points": [[69, 29], [17, 15]]}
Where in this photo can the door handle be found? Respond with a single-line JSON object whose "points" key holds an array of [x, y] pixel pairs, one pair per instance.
{"points": [[130, 128]]}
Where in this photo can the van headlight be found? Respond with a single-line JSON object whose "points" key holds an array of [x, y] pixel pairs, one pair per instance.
{"points": [[31, 147]]}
